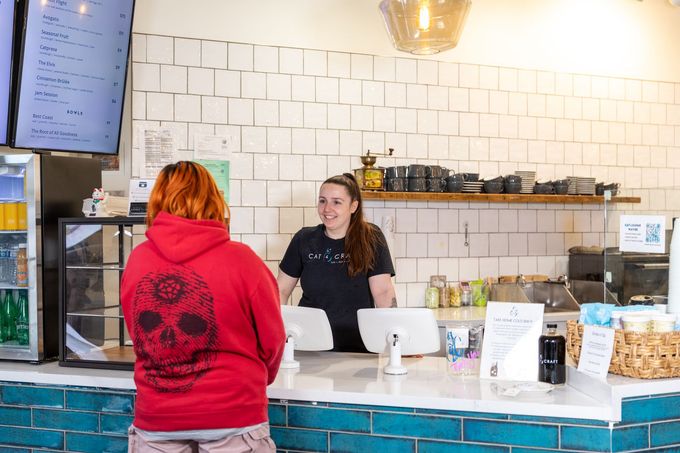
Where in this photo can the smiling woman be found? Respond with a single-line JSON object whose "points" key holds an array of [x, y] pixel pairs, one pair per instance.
{"points": [[343, 264]]}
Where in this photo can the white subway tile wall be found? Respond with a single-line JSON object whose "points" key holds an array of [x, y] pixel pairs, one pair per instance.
{"points": [[293, 117]]}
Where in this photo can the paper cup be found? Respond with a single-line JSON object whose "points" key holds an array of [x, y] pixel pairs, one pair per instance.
{"points": [[636, 322], [662, 322]]}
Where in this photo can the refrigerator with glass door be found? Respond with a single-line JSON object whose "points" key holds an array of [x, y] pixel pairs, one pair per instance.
{"points": [[35, 191]]}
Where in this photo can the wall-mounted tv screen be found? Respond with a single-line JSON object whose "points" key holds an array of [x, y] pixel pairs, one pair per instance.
{"points": [[72, 75], [6, 35]]}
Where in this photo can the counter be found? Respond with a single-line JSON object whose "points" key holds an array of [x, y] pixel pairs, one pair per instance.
{"points": [[343, 402], [455, 315]]}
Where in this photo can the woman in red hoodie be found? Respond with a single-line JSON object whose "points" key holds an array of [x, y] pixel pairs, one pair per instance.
{"points": [[203, 313]]}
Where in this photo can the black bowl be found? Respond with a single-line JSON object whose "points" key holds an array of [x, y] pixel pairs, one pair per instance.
{"points": [[493, 186], [561, 189], [544, 189], [454, 186], [513, 187]]}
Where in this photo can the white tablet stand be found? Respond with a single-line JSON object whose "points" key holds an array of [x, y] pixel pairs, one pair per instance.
{"points": [[307, 329], [405, 331]]}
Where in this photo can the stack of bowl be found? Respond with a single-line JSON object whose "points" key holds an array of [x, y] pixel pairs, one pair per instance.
{"points": [[513, 184], [493, 185], [561, 186]]}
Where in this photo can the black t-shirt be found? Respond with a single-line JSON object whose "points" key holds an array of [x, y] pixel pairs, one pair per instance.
{"points": [[321, 265]]}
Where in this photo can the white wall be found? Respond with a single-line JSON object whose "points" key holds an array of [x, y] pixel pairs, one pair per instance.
{"points": [[303, 87], [623, 38], [294, 116]]}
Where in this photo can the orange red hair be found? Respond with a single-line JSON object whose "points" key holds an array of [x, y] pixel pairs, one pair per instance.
{"points": [[186, 189]]}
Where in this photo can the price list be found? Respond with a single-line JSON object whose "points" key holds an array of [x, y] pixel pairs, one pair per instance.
{"points": [[73, 74]]}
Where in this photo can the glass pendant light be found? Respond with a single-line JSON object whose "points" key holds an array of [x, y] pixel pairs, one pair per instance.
{"points": [[425, 27]]}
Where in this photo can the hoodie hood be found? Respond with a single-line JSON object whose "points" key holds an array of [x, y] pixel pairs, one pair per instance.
{"points": [[179, 239]]}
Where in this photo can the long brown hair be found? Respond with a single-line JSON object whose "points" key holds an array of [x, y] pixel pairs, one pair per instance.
{"points": [[186, 189], [361, 238]]}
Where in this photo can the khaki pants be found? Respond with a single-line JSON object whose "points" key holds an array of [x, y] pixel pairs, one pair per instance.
{"points": [[257, 441]]}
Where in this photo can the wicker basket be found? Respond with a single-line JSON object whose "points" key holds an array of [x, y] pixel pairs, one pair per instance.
{"points": [[638, 355]]}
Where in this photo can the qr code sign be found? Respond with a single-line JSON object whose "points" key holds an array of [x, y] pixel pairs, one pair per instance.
{"points": [[653, 235]]}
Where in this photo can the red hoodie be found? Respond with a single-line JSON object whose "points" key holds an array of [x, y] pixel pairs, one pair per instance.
{"points": [[204, 316]]}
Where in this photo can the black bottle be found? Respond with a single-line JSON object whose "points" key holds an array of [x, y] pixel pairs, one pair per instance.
{"points": [[551, 351]]}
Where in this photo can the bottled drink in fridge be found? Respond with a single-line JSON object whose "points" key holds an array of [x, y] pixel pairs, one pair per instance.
{"points": [[3, 321], [9, 317], [551, 353], [22, 318], [21, 277]]}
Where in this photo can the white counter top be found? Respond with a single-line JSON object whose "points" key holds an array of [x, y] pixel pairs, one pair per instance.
{"points": [[454, 315], [358, 379]]}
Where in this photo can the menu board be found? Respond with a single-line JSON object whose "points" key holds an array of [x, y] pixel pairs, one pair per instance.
{"points": [[6, 34], [72, 78]]}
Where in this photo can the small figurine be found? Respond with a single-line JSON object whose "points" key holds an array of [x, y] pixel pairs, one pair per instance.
{"points": [[98, 196]]}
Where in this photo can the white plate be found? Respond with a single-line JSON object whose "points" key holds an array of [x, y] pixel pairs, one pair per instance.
{"points": [[534, 387]]}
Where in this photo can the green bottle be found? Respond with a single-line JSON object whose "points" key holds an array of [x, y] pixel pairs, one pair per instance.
{"points": [[9, 315], [22, 318], [3, 321]]}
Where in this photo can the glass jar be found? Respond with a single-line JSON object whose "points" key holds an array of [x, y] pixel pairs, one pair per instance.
{"points": [[432, 297], [444, 296], [454, 295], [466, 297], [480, 293]]}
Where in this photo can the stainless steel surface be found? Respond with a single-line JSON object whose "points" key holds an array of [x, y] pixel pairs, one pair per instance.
{"points": [[507, 292], [586, 292], [651, 265], [556, 297]]}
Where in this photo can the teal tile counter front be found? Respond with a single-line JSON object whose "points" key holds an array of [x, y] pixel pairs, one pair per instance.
{"points": [[41, 418], [343, 403], [63, 418]]}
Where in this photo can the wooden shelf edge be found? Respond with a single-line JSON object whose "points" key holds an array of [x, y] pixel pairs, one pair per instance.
{"points": [[494, 197]]}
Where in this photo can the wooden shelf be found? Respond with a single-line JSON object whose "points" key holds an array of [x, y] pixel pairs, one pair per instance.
{"points": [[494, 197]]}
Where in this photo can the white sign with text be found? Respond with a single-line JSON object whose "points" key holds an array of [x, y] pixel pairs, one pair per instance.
{"points": [[642, 233], [596, 351], [510, 348]]}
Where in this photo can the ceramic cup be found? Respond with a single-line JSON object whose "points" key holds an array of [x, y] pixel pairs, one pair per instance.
{"points": [[396, 184]]}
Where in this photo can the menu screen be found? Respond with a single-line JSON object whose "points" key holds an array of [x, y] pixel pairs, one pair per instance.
{"points": [[6, 32], [73, 75]]}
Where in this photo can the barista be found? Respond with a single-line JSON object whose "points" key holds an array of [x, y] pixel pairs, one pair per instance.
{"points": [[343, 264]]}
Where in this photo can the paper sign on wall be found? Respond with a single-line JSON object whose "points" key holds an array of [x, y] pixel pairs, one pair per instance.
{"points": [[219, 169], [596, 351], [510, 348], [642, 233]]}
